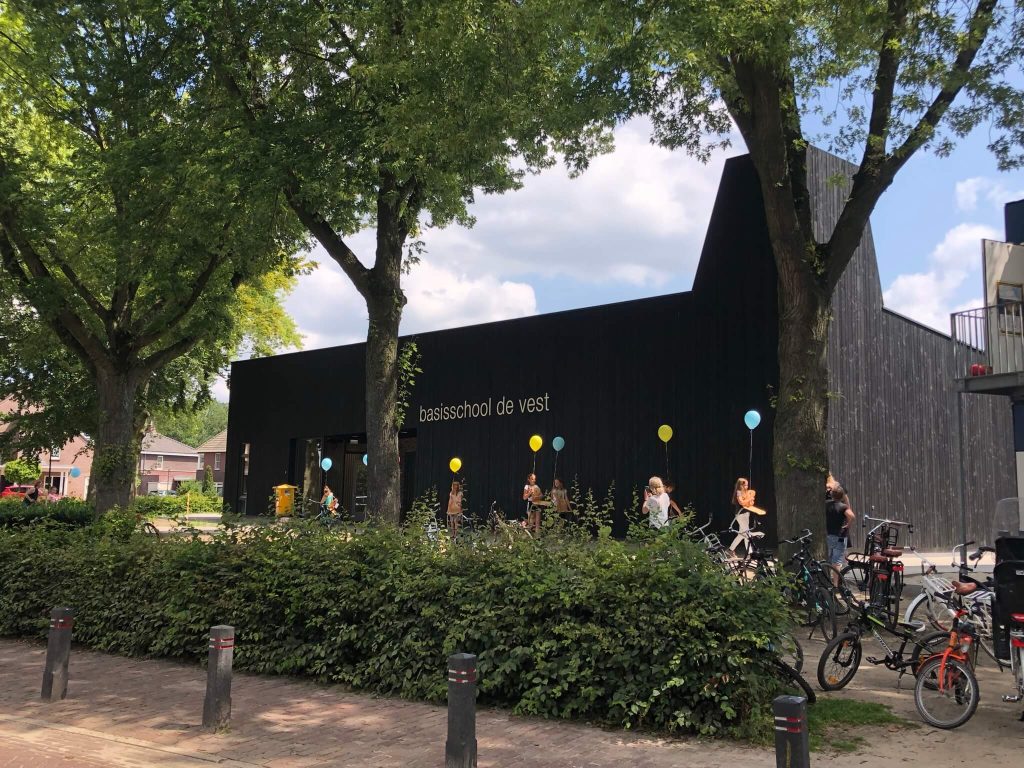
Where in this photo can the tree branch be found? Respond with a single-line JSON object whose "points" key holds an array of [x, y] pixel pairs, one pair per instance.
{"points": [[164, 323], [314, 222], [166, 355], [871, 181], [68, 327], [332, 242]]}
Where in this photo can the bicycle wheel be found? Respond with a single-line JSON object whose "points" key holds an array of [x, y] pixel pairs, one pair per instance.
{"points": [[928, 645], [855, 578], [825, 607], [791, 652], [839, 661], [927, 610], [946, 692], [792, 682], [149, 529], [834, 578]]}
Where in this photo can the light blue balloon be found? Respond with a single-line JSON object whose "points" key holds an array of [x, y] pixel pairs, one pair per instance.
{"points": [[752, 419], [326, 464], [558, 444], [75, 472], [365, 460]]}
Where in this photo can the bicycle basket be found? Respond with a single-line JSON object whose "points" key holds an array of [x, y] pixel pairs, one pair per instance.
{"points": [[1009, 578], [937, 585]]}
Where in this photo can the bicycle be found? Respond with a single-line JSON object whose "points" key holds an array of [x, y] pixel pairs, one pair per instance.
{"points": [[941, 599], [876, 574], [317, 512], [814, 590], [1008, 577], [946, 692], [757, 563], [841, 658]]}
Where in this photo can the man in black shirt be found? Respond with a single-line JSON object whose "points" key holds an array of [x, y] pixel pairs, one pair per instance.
{"points": [[838, 519]]}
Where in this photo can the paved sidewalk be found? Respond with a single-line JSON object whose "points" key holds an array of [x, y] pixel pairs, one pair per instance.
{"points": [[128, 713], [125, 712]]}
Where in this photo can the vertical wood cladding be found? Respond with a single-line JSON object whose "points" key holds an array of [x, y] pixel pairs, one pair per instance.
{"points": [[892, 416], [696, 361]]}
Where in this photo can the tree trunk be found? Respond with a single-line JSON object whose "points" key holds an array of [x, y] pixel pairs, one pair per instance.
{"points": [[115, 445], [801, 420], [384, 304]]}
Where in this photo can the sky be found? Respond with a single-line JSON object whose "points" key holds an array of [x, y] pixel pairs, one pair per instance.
{"points": [[633, 225]]}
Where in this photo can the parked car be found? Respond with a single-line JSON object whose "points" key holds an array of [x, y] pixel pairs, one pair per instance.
{"points": [[162, 493], [17, 491]]}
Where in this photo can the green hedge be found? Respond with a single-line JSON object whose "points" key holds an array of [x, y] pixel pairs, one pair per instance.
{"points": [[175, 506], [73, 512], [648, 635]]}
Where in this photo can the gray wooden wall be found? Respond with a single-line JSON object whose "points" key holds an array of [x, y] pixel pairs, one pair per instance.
{"points": [[892, 420]]}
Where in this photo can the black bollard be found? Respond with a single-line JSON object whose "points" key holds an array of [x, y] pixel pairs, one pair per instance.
{"points": [[792, 747], [460, 749], [58, 654], [217, 705]]}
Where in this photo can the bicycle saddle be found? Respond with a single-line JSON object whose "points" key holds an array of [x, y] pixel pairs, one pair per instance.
{"points": [[963, 587]]}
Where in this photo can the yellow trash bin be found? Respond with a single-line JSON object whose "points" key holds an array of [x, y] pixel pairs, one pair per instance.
{"points": [[285, 499]]}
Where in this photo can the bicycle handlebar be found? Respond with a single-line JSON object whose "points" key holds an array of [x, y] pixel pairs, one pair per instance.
{"points": [[884, 521], [805, 534]]}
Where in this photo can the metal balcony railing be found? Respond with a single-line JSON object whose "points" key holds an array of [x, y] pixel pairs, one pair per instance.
{"points": [[991, 339]]}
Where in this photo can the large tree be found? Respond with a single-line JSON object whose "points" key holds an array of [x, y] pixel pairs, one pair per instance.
{"points": [[130, 215], [876, 80], [386, 114], [55, 398]]}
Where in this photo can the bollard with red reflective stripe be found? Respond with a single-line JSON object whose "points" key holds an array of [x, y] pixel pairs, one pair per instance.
{"points": [[58, 654], [792, 747], [460, 749], [217, 705]]}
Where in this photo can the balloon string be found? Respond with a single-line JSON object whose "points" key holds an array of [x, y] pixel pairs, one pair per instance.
{"points": [[750, 460]]}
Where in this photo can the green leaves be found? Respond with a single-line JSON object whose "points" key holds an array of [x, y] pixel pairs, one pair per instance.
{"points": [[629, 635]]}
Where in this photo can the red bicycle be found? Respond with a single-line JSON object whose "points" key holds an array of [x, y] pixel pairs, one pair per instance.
{"points": [[946, 693]]}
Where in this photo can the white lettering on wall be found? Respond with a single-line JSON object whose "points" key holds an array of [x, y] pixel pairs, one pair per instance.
{"points": [[503, 406]]}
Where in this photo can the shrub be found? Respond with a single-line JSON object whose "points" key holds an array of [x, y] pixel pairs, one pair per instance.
{"points": [[176, 506], [23, 470], [72, 512], [609, 631]]}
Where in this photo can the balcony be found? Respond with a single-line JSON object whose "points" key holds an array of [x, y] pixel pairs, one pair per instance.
{"points": [[988, 350]]}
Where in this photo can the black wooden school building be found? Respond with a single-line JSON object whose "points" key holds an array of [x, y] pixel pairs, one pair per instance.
{"points": [[604, 378]]}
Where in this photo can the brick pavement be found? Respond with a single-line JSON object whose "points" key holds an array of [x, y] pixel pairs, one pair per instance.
{"points": [[127, 712]]}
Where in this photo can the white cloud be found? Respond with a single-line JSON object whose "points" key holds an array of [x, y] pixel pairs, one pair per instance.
{"points": [[635, 217], [961, 247], [995, 192], [329, 311], [929, 297]]}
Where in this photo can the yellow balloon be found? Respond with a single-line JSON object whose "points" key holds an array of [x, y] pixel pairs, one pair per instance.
{"points": [[455, 464], [665, 433], [536, 442]]}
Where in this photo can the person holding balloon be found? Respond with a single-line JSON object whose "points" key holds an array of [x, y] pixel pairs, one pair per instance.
{"points": [[560, 498], [454, 508], [329, 502], [533, 496], [743, 497]]}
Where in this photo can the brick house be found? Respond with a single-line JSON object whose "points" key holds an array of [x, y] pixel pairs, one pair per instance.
{"points": [[164, 463], [56, 465], [213, 454]]}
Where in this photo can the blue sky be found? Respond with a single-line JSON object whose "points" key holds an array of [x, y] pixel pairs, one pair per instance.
{"points": [[633, 225]]}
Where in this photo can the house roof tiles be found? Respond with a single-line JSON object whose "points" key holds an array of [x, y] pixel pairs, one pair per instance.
{"points": [[216, 444]]}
